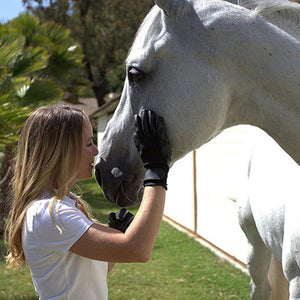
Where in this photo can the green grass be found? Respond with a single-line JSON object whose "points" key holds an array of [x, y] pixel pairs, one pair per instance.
{"points": [[180, 268]]}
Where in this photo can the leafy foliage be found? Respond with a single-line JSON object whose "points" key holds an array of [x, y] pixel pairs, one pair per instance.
{"points": [[12, 118], [35, 60], [105, 30]]}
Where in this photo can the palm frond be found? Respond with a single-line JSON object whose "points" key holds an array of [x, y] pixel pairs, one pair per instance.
{"points": [[42, 91], [29, 61], [27, 25]]}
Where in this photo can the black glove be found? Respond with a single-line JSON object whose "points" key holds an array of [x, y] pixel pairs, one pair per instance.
{"points": [[120, 220], [153, 146]]}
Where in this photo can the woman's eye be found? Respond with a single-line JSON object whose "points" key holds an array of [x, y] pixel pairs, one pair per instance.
{"points": [[134, 74], [92, 142]]}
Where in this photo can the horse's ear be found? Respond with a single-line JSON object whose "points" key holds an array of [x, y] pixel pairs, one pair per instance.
{"points": [[172, 8]]}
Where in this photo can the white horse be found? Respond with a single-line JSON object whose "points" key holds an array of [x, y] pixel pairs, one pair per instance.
{"points": [[269, 209], [205, 66]]}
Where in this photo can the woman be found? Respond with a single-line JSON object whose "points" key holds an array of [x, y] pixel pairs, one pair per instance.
{"points": [[51, 229]]}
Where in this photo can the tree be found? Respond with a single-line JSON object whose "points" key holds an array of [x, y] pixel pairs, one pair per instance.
{"points": [[105, 30], [35, 60], [64, 52]]}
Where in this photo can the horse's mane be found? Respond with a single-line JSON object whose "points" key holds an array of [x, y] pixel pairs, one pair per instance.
{"points": [[282, 13]]}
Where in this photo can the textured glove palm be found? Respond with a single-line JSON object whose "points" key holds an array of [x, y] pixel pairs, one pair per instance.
{"points": [[153, 146]]}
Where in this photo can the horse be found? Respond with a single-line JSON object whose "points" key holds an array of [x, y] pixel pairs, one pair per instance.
{"points": [[205, 66], [268, 212]]}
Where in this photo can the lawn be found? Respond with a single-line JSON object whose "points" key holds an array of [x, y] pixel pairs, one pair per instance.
{"points": [[180, 268]]}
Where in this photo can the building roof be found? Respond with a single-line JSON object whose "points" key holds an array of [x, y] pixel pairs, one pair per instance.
{"points": [[91, 108], [109, 107], [88, 105]]}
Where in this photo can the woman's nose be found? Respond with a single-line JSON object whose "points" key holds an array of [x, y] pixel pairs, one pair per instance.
{"points": [[95, 151]]}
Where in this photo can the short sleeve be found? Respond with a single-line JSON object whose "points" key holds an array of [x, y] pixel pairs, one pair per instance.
{"points": [[70, 220]]}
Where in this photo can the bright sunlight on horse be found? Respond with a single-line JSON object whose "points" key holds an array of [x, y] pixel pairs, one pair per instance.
{"points": [[206, 66]]}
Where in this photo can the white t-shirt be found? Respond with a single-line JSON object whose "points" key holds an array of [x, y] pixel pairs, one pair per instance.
{"points": [[56, 272]]}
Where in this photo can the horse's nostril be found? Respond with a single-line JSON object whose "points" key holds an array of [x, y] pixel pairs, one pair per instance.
{"points": [[98, 175]]}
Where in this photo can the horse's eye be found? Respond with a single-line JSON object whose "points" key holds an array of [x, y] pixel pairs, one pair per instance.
{"points": [[134, 74]]}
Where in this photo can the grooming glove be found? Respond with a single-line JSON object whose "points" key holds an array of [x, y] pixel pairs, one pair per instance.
{"points": [[153, 146], [120, 220]]}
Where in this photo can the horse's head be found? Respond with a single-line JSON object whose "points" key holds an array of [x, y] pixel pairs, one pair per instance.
{"points": [[170, 71]]}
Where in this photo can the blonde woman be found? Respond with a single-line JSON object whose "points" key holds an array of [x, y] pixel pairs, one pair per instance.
{"points": [[69, 255]]}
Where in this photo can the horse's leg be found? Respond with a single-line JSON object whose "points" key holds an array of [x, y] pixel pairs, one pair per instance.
{"points": [[279, 284], [258, 266], [259, 256], [291, 269], [291, 241], [295, 288]]}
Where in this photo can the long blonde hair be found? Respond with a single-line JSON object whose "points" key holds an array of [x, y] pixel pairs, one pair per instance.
{"points": [[49, 151]]}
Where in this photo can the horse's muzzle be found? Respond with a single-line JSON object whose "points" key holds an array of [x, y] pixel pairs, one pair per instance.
{"points": [[98, 175], [118, 188]]}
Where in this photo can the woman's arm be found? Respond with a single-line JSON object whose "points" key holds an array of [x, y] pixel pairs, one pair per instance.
{"points": [[135, 245]]}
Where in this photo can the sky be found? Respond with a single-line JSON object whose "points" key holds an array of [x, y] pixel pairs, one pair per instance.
{"points": [[10, 9]]}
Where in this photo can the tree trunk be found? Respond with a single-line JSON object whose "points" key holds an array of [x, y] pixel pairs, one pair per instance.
{"points": [[5, 187], [98, 90]]}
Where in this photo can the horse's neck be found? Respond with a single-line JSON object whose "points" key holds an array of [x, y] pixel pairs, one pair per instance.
{"points": [[284, 14], [271, 115], [266, 88]]}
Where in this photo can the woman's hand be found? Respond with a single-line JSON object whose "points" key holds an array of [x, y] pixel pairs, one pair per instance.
{"points": [[153, 146], [120, 220]]}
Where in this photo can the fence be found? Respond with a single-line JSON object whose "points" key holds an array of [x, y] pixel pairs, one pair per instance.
{"points": [[204, 186]]}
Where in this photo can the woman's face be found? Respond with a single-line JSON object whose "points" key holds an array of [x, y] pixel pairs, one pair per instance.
{"points": [[88, 152]]}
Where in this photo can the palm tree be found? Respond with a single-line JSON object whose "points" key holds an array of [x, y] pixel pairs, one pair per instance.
{"points": [[35, 61]]}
